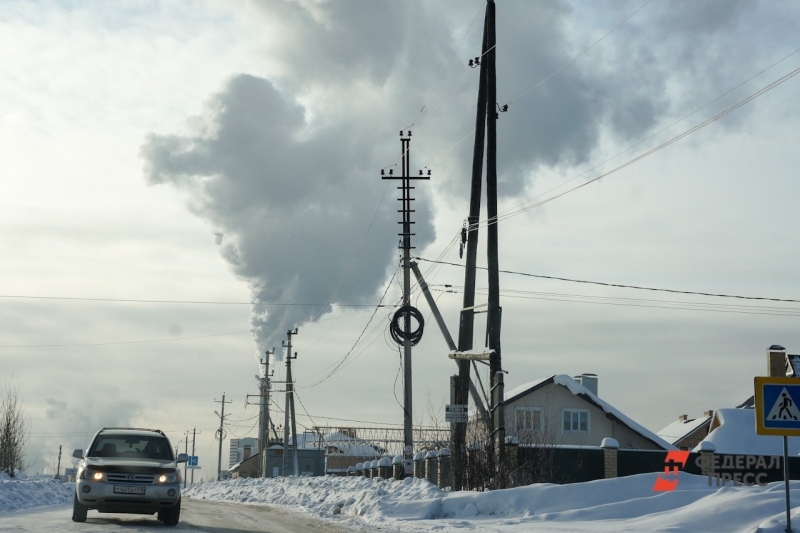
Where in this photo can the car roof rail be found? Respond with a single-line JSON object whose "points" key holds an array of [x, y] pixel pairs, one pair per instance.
{"points": [[134, 429]]}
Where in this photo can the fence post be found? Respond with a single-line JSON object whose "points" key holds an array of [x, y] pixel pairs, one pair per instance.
{"points": [[398, 472], [431, 467], [610, 447], [385, 467], [707, 451], [419, 464], [444, 468]]}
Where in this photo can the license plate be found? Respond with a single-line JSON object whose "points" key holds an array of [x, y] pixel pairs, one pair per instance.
{"points": [[123, 489]]}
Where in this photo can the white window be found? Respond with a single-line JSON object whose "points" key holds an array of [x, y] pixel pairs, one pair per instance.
{"points": [[576, 421], [528, 418]]}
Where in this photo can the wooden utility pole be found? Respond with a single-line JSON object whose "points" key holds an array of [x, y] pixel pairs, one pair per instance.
{"points": [[406, 337], [194, 433], [58, 468], [466, 323], [485, 125]]}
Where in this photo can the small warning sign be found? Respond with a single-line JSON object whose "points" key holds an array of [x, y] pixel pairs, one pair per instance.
{"points": [[784, 408]]}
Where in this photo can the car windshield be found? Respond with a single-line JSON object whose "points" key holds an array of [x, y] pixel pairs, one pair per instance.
{"points": [[131, 446]]}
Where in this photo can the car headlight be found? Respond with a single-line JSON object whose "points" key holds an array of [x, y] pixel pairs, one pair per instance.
{"points": [[169, 478], [92, 475]]}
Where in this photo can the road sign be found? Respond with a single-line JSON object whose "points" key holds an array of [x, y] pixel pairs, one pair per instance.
{"points": [[777, 406], [456, 413], [192, 460], [194, 467]]}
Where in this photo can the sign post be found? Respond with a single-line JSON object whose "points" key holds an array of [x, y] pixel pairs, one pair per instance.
{"points": [[777, 413]]}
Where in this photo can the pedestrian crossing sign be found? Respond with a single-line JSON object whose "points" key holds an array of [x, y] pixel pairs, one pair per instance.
{"points": [[777, 402]]}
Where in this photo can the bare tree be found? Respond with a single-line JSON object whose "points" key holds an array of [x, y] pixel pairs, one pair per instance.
{"points": [[14, 431]]}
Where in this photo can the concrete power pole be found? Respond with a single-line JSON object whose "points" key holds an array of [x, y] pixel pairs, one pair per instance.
{"points": [[289, 410], [194, 431], [58, 468], [221, 434], [263, 414], [405, 336]]}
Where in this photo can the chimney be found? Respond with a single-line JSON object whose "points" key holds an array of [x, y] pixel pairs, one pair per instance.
{"points": [[246, 453], [589, 381], [776, 361], [683, 418], [708, 414]]}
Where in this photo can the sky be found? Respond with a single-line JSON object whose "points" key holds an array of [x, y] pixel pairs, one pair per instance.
{"points": [[224, 153]]}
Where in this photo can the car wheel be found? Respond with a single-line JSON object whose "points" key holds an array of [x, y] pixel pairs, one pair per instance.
{"points": [[78, 511], [171, 516]]}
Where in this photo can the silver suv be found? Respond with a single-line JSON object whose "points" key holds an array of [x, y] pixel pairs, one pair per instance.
{"points": [[129, 470]]}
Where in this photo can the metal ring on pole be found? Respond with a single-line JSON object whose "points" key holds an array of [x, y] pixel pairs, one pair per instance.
{"points": [[396, 325]]}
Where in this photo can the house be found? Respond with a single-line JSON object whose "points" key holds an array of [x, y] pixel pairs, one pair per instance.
{"points": [[562, 411], [734, 431], [686, 433], [247, 467]]}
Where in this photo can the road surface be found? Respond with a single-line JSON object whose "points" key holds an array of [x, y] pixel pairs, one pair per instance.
{"points": [[196, 516]]}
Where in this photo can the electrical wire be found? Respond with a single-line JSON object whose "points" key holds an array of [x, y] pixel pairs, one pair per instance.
{"points": [[339, 364], [675, 139], [203, 302], [571, 61], [121, 342], [662, 129], [619, 285]]}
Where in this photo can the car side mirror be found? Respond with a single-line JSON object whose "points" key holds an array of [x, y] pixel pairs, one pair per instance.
{"points": [[77, 454], [183, 458]]}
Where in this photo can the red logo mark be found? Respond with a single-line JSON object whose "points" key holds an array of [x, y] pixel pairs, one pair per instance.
{"points": [[673, 464]]}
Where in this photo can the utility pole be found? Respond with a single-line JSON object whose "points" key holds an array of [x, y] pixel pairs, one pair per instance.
{"points": [[58, 468], [263, 418], [495, 311], [221, 434], [405, 336], [485, 125], [289, 406], [194, 430], [186, 451]]}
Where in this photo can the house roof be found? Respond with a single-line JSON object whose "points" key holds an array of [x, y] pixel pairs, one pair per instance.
{"points": [[793, 366], [737, 434], [588, 396], [680, 429], [239, 464]]}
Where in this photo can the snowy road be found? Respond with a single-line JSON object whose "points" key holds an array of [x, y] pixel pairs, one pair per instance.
{"points": [[195, 516]]}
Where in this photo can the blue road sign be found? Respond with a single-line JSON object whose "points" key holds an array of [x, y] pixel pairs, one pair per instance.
{"points": [[777, 406], [192, 460]]}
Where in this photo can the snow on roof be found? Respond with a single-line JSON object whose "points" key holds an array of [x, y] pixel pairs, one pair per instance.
{"points": [[737, 434], [682, 428], [577, 389]]}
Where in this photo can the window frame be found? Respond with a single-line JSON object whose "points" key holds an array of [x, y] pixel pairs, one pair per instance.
{"points": [[532, 410], [577, 411]]}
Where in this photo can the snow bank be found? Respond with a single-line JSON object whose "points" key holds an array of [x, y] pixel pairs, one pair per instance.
{"points": [[22, 493], [610, 505]]}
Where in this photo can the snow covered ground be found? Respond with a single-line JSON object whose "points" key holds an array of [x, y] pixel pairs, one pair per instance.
{"points": [[21, 492], [412, 505], [623, 504]]}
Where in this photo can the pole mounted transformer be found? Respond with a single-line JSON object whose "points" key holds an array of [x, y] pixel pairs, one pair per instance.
{"points": [[400, 327]]}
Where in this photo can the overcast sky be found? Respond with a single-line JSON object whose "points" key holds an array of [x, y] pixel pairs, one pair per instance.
{"points": [[231, 152]]}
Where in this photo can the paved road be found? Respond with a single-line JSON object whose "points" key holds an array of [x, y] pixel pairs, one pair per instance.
{"points": [[196, 516]]}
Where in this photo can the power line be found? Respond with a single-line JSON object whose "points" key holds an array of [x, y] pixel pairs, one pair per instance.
{"points": [[121, 342], [619, 285], [675, 139], [571, 61], [204, 302]]}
